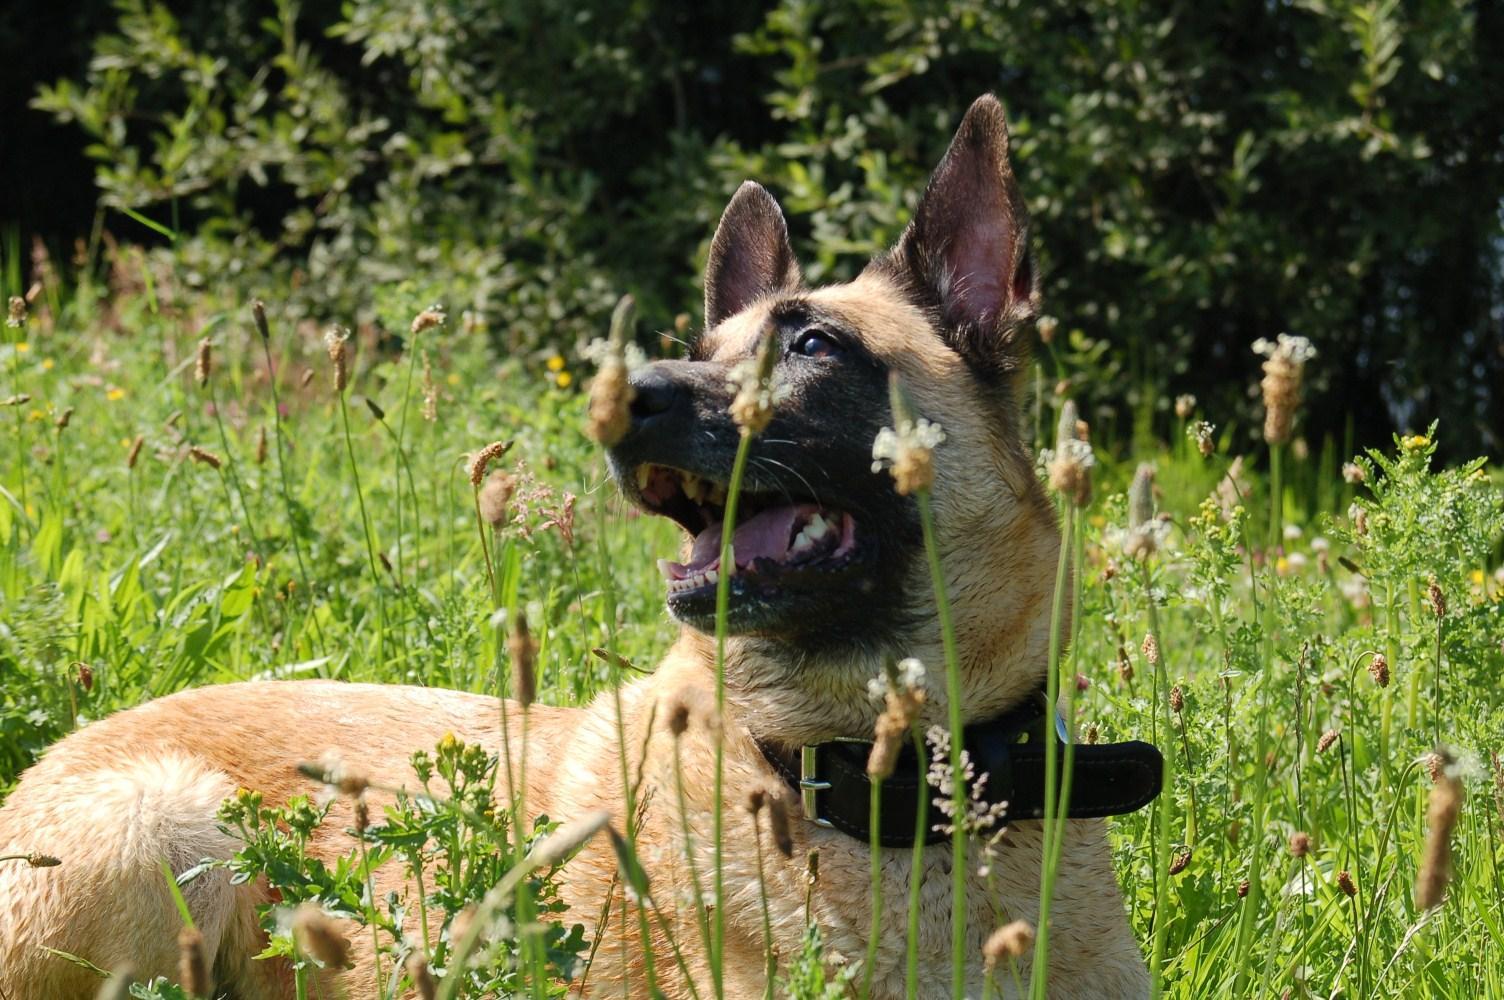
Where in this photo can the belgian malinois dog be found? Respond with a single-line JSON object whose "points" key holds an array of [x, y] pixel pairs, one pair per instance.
{"points": [[830, 583]]}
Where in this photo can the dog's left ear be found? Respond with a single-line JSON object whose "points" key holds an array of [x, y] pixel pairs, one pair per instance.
{"points": [[966, 250], [750, 255]]}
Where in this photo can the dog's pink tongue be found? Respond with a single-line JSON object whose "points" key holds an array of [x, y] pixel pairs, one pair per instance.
{"points": [[764, 536]]}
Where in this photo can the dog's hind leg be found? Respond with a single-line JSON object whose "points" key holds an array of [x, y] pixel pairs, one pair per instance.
{"points": [[108, 902]]}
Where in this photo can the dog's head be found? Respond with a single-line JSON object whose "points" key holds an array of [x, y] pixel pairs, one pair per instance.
{"points": [[830, 572]]}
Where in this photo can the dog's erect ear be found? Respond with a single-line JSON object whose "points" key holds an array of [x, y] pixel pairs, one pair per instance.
{"points": [[750, 255], [966, 249]]}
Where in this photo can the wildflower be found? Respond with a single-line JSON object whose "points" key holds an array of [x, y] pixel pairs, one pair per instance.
{"points": [[1412, 443], [258, 316], [418, 972], [908, 453], [1346, 884], [523, 649], [555, 363], [1151, 648], [1300, 844], [1352, 473], [1243, 888], [85, 676], [1285, 358], [205, 456], [611, 394], [1093, 734], [1047, 326], [757, 392], [319, 938], [494, 497], [193, 964], [778, 823], [1071, 463], [135, 452], [114, 394], [63, 419], [1327, 739], [1202, 433], [203, 365], [1437, 599], [428, 319], [1177, 697], [1378, 669], [1144, 532], [1008, 942], [430, 392], [1179, 862], [1185, 405], [337, 341], [16, 317], [903, 694], [38, 860], [1434, 764], [1436, 856], [483, 458]]}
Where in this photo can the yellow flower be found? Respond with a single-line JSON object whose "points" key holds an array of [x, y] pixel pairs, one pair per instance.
{"points": [[452, 378], [1414, 442], [556, 363], [22, 347], [115, 393], [448, 742], [563, 380], [1476, 576], [34, 416], [125, 442], [1281, 565], [46, 364]]}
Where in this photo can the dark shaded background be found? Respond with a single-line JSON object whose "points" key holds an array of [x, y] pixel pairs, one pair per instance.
{"points": [[1200, 175]]}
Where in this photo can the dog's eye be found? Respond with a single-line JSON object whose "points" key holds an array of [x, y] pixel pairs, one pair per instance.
{"points": [[816, 344]]}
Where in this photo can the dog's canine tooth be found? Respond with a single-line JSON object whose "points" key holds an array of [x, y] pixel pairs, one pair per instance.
{"points": [[693, 486], [644, 474], [803, 541], [717, 494], [711, 576], [816, 528]]}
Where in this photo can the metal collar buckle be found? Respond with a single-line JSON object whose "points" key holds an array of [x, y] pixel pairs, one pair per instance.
{"points": [[810, 782]]}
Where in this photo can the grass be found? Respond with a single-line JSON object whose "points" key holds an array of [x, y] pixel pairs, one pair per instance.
{"points": [[325, 543]]}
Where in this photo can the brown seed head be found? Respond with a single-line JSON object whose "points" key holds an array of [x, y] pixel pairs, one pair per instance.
{"points": [[812, 866], [337, 341], [261, 445], [481, 459], [39, 860], [1177, 699], [1437, 599], [1436, 856], [419, 973], [1070, 468], [135, 452], [318, 936], [1378, 669], [193, 963], [523, 649], [1151, 648], [1010, 941], [678, 719], [495, 498], [362, 815], [1093, 734], [696, 704], [64, 419], [1179, 862], [16, 316], [1346, 884], [1300, 844], [428, 319], [1185, 405], [609, 415], [85, 675], [205, 456], [1327, 739], [1284, 361], [778, 824], [1141, 496], [752, 407], [1243, 888], [892, 729], [1352, 473], [203, 365], [375, 408], [1047, 327], [1204, 434], [258, 315], [756, 799]]}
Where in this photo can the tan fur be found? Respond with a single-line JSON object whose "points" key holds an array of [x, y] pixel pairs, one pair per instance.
{"points": [[143, 785]]}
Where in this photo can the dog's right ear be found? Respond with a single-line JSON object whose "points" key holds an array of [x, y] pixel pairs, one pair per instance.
{"points": [[750, 255]]}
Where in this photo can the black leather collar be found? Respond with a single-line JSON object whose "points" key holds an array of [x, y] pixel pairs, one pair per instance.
{"points": [[1108, 779]]}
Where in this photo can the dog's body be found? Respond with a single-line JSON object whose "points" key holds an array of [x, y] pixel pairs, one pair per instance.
{"points": [[943, 310]]}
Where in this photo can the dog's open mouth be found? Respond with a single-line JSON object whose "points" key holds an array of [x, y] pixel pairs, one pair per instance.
{"points": [[779, 541]]}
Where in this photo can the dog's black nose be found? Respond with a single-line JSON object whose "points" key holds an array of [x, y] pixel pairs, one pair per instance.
{"points": [[657, 393]]}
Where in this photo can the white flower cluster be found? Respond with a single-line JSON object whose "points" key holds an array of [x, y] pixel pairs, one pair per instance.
{"points": [[910, 678], [890, 445], [1296, 350], [981, 816], [601, 350]]}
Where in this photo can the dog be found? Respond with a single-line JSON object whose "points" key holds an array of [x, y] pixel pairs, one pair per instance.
{"points": [[830, 582]]}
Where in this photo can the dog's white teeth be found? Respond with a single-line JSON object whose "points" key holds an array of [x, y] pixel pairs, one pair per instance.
{"points": [[693, 486], [644, 474], [711, 576], [803, 542], [817, 528]]}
